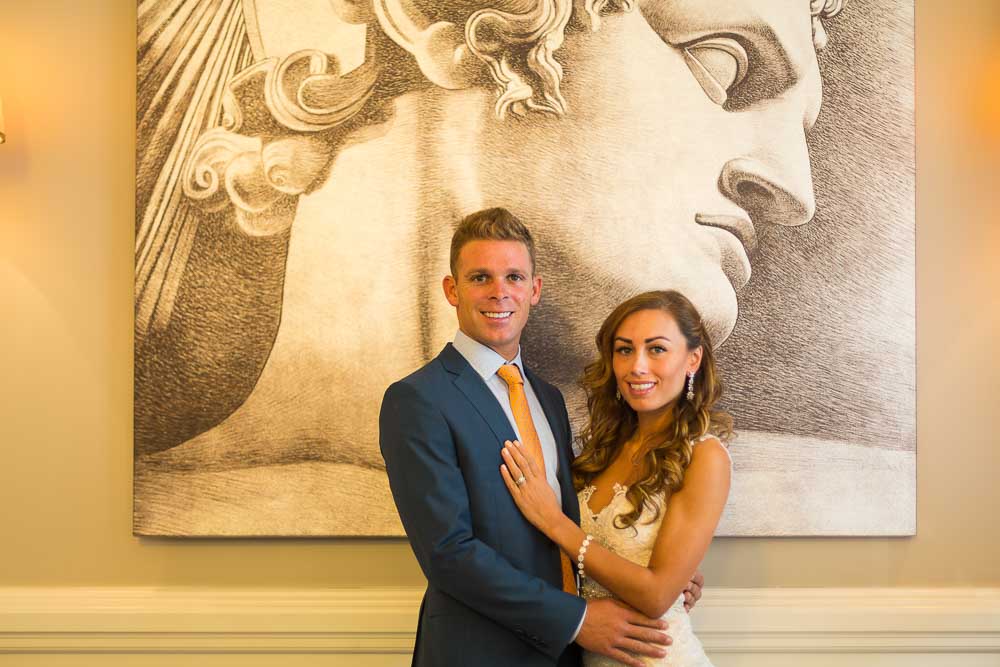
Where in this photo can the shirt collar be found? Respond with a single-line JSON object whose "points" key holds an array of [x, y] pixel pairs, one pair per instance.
{"points": [[483, 359]]}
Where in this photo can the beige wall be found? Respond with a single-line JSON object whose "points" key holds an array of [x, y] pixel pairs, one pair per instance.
{"points": [[66, 214]]}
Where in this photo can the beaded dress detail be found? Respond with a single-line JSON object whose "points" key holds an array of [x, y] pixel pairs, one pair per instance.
{"points": [[636, 544]]}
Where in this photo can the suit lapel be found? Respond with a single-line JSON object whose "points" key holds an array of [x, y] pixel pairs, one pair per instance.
{"points": [[564, 445], [467, 381], [550, 409]]}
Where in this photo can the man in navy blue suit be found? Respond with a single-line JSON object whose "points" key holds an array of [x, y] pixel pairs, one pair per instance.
{"points": [[496, 593]]}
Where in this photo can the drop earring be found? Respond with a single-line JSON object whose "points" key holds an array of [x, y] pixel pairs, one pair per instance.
{"points": [[618, 394], [690, 394]]}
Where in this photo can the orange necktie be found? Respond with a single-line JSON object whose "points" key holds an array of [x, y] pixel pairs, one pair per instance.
{"points": [[510, 374]]}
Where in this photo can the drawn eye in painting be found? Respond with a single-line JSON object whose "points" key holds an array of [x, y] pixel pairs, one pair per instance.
{"points": [[719, 64]]}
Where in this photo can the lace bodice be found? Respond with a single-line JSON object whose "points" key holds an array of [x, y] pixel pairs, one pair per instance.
{"points": [[636, 544], [636, 541]]}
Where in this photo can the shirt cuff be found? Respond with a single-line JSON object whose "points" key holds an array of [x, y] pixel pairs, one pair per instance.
{"points": [[579, 627]]}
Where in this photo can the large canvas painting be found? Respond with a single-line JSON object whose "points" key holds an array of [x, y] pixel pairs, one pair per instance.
{"points": [[302, 164]]}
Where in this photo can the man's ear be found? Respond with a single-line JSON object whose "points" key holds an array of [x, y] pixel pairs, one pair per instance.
{"points": [[450, 288], [536, 290]]}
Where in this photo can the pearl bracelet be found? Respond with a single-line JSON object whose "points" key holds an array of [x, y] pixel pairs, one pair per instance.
{"points": [[583, 550]]}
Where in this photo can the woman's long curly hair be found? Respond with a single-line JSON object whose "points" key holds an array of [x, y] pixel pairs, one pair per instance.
{"points": [[613, 422]]}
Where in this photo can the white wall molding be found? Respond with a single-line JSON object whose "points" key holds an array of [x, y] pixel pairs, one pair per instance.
{"points": [[865, 620], [157, 620], [382, 621]]}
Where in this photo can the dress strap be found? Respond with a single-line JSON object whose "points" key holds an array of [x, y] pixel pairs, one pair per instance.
{"points": [[706, 436]]}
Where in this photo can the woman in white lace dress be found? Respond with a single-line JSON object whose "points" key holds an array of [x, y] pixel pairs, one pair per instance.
{"points": [[653, 474]]}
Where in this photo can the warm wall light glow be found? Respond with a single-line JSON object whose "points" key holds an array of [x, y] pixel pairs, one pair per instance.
{"points": [[3, 137], [986, 104]]}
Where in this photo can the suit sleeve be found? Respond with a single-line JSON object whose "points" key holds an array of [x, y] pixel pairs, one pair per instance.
{"points": [[433, 503]]}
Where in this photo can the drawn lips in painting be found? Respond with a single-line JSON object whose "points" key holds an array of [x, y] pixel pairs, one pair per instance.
{"points": [[737, 239]]}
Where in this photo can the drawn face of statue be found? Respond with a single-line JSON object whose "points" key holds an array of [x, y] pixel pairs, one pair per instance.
{"points": [[684, 138]]}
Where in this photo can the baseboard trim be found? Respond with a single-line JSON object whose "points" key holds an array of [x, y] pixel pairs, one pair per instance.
{"points": [[382, 621]]}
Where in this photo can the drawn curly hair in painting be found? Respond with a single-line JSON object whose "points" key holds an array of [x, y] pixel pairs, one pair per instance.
{"points": [[286, 117], [519, 48], [822, 9]]}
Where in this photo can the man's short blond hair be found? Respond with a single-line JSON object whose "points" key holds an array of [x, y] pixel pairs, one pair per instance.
{"points": [[491, 224]]}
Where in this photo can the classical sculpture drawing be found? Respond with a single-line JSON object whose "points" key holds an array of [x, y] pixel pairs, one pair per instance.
{"points": [[301, 167]]}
